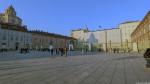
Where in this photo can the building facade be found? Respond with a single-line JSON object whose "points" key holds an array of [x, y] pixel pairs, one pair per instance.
{"points": [[141, 35], [14, 37], [108, 39], [86, 39], [105, 40], [13, 34], [113, 39], [45, 40], [126, 30]]}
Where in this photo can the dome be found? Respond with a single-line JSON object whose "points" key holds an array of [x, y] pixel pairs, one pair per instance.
{"points": [[11, 11]]}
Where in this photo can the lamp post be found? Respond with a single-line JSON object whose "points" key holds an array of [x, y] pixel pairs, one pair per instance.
{"points": [[127, 44], [110, 45], [106, 40]]}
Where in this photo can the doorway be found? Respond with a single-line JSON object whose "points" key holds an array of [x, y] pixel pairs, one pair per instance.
{"points": [[17, 46]]}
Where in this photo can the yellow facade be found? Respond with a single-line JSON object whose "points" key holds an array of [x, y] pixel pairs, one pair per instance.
{"points": [[141, 35]]}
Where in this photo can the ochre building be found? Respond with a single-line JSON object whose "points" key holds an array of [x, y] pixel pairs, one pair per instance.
{"points": [[141, 35], [45, 40]]}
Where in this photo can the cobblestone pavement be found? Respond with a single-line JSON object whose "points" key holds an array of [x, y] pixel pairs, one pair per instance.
{"points": [[99, 68]]}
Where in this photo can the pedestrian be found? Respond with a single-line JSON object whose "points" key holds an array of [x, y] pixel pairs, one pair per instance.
{"points": [[21, 50], [52, 50], [147, 57], [61, 51], [66, 51], [57, 51], [114, 50]]}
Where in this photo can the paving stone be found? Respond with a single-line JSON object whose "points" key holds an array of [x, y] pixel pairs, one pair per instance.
{"points": [[91, 68]]}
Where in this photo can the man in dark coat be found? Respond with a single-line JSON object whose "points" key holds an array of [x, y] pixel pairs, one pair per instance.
{"points": [[114, 50], [147, 57], [61, 51], [57, 51], [52, 50]]}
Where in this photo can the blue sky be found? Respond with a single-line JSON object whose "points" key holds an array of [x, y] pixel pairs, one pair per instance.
{"points": [[62, 16]]}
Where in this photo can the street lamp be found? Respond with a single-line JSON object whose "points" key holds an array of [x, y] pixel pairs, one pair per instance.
{"points": [[127, 44], [110, 45]]}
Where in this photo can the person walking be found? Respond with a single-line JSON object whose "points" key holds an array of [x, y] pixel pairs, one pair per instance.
{"points": [[66, 52], [57, 51], [51, 49], [61, 51], [114, 50], [147, 57]]}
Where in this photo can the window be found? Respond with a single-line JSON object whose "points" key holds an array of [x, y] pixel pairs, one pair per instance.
{"points": [[4, 37], [27, 39], [11, 38], [149, 27], [12, 21], [3, 43], [16, 38], [30, 39], [21, 38]]}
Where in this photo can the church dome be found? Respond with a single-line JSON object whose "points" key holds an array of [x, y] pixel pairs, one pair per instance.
{"points": [[11, 11]]}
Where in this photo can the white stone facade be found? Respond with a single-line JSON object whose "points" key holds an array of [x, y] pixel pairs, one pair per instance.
{"points": [[109, 39], [10, 39], [101, 38], [126, 29]]}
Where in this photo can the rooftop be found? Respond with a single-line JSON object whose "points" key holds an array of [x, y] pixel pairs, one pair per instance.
{"points": [[9, 26], [130, 22], [50, 34]]}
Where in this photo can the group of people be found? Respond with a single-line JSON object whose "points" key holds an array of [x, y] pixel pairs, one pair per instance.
{"points": [[58, 51], [116, 50], [24, 50]]}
